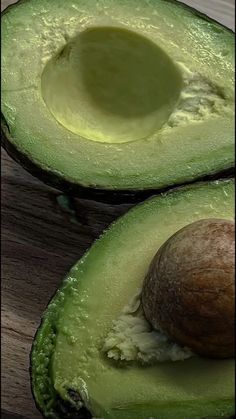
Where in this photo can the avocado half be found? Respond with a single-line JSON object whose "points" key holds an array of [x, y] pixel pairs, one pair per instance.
{"points": [[116, 98], [71, 377]]}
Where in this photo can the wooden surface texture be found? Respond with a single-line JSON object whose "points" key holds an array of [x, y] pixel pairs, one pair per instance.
{"points": [[39, 245]]}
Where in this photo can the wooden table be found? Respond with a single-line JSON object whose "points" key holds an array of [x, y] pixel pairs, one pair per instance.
{"points": [[39, 245]]}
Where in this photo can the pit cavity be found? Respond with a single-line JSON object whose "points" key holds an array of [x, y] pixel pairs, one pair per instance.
{"points": [[111, 85]]}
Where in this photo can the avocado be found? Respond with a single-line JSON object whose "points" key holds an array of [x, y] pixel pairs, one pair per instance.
{"points": [[71, 375], [115, 97]]}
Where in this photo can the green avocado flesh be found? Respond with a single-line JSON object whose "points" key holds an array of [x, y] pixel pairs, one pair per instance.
{"points": [[67, 357], [118, 95]]}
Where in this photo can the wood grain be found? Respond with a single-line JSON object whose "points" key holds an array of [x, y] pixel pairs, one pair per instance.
{"points": [[39, 245]]}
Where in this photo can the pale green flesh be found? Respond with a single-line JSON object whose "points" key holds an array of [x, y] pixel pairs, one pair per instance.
{"points": [[102, 283], [202, 140], [111, 85]]}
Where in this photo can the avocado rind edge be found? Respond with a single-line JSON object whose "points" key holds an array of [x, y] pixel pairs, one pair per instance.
{"points": [[114, 197], [55, 407]]}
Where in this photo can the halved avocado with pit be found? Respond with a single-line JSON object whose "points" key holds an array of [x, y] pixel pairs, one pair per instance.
{"points": [[116, 97], [71, 376]]}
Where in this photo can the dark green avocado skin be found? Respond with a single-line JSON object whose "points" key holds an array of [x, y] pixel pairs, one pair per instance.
{"points": [[113, 197]]}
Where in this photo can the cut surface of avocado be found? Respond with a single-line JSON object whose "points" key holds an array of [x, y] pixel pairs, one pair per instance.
{"points": [[132, 338], [68, 362], [117, 95]]}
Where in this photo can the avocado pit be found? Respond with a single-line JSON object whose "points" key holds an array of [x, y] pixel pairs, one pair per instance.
{"points": [[188, 291]]}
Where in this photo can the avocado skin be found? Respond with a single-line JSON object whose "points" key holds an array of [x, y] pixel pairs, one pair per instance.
{"points": [[62, 409], [113, 197], [67, 411]]}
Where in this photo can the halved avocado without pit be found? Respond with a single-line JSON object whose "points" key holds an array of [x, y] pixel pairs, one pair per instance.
{"points": [[116, 97], [71, 376]]}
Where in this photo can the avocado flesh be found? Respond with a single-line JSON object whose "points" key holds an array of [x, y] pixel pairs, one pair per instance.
{"points": [[67, 352], [121, 142]]}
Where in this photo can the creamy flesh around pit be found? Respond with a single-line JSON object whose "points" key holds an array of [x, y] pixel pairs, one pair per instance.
{"points": [[133, 339]]}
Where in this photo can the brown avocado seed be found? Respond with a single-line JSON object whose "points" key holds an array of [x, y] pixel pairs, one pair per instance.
{"points": [[189, 290]]}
